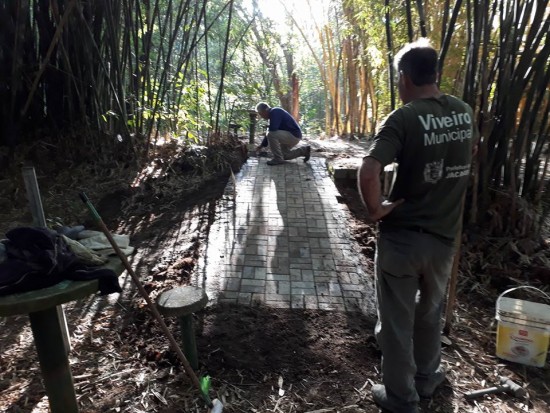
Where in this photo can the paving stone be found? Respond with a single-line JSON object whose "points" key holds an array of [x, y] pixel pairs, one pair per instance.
{"points": [[302, 284], [231, 284], [236, 260], [332, 307], [260, 273], [278, 277], [310, 302], [271, 287], [257, 239], [248, 272], [258, 298], [244, 298], [296, 277], [222, 300], [229, 275], [301, 266], [275, 251], [283, 287], [248, 282], [353, 304], [297, 301], [313, 243], [355, 278], [334, 288], [301, 263], [352, 287], [323, 264], [320, 252], [232, 295], [278, 304], [255, 261], [352, 293], [279, 269], [277, 297], [301, 237], [307, 275], [331, 300], [302, 291], [252, 289]]}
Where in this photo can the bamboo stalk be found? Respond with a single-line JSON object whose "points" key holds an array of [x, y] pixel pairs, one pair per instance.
{"points": [[224, 63], [46, 60]]}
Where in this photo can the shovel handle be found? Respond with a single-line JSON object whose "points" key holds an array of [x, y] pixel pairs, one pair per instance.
{"points": [[90, 207], [478, 393]]}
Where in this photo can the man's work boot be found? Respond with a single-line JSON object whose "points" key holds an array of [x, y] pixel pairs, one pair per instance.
{"points": [[308, 153], [425, 386], [389, 403]]}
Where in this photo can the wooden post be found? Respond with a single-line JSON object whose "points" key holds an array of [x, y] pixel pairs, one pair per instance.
{"points": [[39, 220], [33, 195], [253, 116], [48, 335], [182, 302]]}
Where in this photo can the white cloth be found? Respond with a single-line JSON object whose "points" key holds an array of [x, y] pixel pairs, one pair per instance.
{"points": [[97, 241], [84, 254]]}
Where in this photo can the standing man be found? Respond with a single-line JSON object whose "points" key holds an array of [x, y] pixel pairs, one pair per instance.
{"points": [[283, 134], [431, 137]]}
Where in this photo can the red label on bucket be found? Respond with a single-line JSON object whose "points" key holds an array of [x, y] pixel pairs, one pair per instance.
{"points": [[524, 333]]}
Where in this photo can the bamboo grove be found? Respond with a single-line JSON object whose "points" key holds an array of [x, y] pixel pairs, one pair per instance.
{"points": [[495, 55], [103, 77], [122, 68]]}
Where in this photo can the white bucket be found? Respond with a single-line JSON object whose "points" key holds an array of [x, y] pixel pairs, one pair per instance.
{"points": [[523, 330]]}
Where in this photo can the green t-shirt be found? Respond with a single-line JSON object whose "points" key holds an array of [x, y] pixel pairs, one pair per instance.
{"points": [[431, 140]]}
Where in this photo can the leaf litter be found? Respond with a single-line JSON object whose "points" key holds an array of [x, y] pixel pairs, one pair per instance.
{"points": [[260, 359]]}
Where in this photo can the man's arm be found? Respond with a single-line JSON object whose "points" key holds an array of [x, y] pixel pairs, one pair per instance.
{"points": [[368, 183]]}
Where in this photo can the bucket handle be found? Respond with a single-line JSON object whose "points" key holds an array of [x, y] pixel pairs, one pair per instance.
{"points": [[523, 286]]}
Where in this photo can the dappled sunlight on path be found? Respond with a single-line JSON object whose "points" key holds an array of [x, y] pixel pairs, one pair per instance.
{"points": [[281, 238]]}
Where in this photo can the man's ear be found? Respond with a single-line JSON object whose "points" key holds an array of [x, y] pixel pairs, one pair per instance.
{"points": [[407, 80]]}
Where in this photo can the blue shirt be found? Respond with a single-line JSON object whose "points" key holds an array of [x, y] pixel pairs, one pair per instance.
{"points": [[280, 119]]}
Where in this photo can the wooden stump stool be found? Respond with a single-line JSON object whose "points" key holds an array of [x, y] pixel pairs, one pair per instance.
{"points": [[182, 302]]}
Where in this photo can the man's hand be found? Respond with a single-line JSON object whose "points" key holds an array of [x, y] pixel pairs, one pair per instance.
{"points": [[368, 183], [384, 208]]}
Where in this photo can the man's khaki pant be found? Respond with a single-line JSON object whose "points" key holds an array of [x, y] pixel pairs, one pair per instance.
{"points": [[412, 271], [281, 143]]}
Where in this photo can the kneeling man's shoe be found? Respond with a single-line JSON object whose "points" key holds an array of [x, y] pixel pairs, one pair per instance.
{"points": [[390, 404], [308, 153], [276, 162]]}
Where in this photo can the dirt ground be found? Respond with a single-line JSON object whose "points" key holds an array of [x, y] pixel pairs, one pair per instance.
{"points": [[260, 359]]}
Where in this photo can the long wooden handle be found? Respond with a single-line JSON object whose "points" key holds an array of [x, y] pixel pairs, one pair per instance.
{"points": [[451, 295]]}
